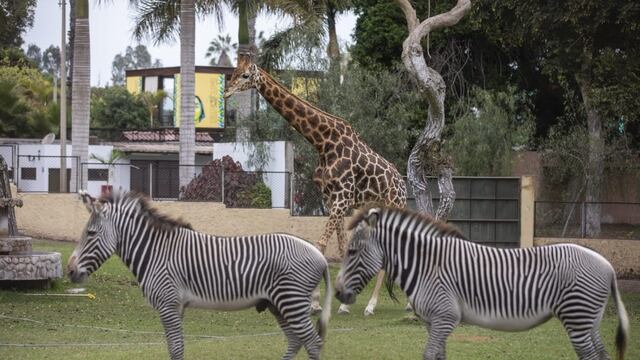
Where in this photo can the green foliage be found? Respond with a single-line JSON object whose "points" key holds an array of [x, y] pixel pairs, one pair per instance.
{"points": [[15, 18], [491, 125], [26, 109], [115, 108], [261, 196]]}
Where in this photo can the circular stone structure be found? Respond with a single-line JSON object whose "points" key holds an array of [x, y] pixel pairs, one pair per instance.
{"points": [[26, 266]]}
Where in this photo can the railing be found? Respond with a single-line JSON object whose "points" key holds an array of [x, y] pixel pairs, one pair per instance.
{"points": [[41, 173], [618, 220], [306, 198]]}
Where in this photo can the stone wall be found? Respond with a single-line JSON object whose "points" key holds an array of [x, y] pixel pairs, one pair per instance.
{"points": [[63, 217], [624, 255]]}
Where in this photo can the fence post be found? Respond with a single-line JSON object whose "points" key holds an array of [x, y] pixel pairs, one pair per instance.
{"points": [[291, 192], [222, 185], [583, 214], [151, 180], [527, 211]]}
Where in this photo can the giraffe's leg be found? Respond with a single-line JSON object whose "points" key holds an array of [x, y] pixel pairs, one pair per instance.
{"points": [[338, 210], [373, 301], [171, 318], [293, 343]]}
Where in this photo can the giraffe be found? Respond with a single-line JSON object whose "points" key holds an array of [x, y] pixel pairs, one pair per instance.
{"points": [[350, 174]]}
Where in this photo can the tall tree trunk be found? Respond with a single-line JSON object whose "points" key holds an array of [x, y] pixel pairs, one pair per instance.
{"points": [[595, 167], [187, 91], [81, 95], [427, 155], [72, 29], [333, 48]]}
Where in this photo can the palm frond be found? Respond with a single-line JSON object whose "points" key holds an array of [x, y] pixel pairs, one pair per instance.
{"points": [[274, 51]]}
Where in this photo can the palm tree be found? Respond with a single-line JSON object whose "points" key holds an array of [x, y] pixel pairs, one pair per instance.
{"points": [[222, 46], [81, 93], [187, 91], [152, 102]]}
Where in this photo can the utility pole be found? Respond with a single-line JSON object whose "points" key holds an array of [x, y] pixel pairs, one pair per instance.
{"points": [[63, 99]]}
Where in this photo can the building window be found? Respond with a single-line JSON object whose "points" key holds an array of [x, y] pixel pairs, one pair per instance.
{"points": [[28, 173], [98, 174]]}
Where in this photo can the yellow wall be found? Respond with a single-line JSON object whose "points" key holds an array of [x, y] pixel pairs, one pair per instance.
{"points": [[134, 84], [209, 106]]}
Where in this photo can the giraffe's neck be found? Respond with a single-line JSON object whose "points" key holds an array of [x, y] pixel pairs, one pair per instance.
{"points": [[309, 121]]}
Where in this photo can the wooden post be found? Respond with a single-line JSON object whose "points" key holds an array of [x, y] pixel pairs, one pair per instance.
{"points": [[527, 215]]}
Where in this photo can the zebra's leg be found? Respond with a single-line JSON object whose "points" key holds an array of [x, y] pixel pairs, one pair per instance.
{"points": [[598, 345], [171, 317], [440, 327], [293, 343], [373, 301], [299, 322], [581, 337]]}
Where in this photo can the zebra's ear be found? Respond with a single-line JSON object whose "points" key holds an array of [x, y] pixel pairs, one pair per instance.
{"points": [[87, 200], [372, 217]]}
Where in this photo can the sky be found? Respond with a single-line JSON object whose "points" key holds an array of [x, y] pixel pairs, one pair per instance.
{"points": [[111, 24]]}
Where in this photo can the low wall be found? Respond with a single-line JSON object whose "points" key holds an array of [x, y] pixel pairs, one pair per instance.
{"points": [[63, 217], [624, 255]]}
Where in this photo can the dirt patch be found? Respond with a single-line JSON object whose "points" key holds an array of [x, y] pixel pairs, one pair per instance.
{"points": [[632, 286], [470, 338]]}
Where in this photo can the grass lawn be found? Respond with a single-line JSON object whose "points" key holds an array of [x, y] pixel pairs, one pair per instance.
{"points": [[119, 324]]}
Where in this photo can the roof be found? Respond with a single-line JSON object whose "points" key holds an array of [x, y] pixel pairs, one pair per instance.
{"points": [[128, 147], [161, 135]]}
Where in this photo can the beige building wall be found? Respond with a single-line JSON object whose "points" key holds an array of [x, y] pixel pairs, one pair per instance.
{"points": [[624, 255], [63, 217]]}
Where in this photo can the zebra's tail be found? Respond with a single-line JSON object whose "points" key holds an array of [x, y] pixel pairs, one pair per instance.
{"points": [[323, 322], [623, 321]]}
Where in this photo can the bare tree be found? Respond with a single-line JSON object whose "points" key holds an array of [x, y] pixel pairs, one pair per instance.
{"points": [[427, 156]]}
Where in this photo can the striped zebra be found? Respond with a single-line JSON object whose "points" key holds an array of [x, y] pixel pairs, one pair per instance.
{"points": [[449, 280], [177, 267]]}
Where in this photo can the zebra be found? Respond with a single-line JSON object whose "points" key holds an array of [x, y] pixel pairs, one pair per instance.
{"points": [[449, 280], [177, 267]]}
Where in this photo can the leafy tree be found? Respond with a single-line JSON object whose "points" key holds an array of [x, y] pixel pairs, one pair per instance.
{"points": [[133, 58], [590, 48], [115, 108], [34, 54], [15, 18], [492, 124], [221, 47], [23, 109]]}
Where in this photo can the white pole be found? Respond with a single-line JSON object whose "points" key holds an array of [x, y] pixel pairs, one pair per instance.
{"points": [[63, 99]]}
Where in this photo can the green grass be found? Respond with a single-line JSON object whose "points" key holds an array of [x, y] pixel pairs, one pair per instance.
{"points": [[69, 327]]}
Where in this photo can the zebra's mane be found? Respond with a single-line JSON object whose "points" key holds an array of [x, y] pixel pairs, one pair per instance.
{"points": [[155, 218], [444, 229]]}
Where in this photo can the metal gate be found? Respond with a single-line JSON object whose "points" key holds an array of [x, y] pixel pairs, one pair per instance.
{"points": [[486, 210]]}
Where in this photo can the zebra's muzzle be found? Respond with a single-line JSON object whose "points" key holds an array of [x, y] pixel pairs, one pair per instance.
{"points": [[77, 276], [346, 296]]}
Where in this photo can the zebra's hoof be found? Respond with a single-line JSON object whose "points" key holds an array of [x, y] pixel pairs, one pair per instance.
{"points": [[315, 309], [344, 309], [369, 311]]}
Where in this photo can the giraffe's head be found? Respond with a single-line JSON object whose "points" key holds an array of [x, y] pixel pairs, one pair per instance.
{"points": [[245, 77]]}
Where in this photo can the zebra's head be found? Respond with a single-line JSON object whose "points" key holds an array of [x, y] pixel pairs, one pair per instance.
{"points": [[363, 259], [97, 243]]}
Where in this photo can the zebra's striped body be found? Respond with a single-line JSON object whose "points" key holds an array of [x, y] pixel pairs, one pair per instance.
{"points": [[177, 267], [449, 280]]}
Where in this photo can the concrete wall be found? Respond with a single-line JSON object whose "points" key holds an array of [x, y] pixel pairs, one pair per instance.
{"points": [[624, 255], [63, 217]]}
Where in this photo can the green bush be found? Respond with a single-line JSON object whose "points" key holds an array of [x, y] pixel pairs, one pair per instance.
{"points": [[115, 108], [260, 196]]}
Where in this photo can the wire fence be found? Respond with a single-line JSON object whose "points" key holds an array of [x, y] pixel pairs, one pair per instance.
{"points": [[41, 173], [616, 220], [306, 198]]}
